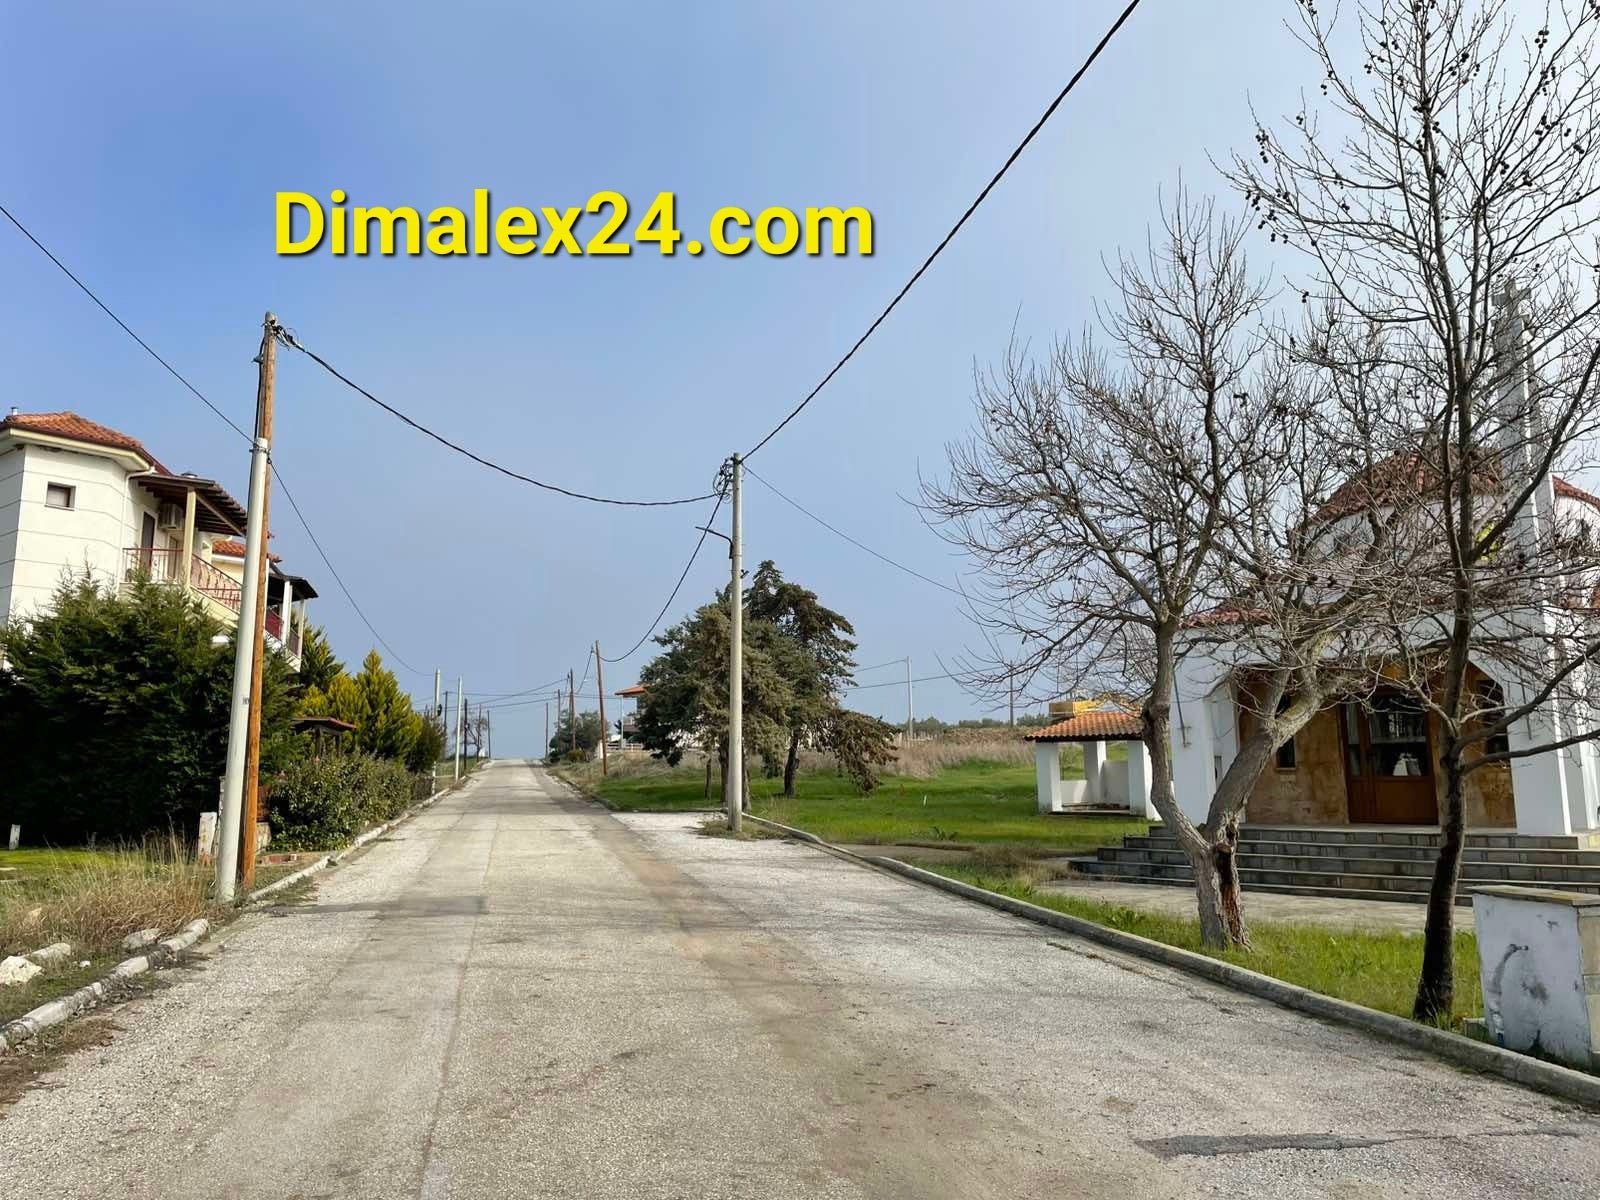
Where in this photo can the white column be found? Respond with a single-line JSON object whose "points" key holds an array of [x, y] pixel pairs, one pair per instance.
{"points": [[1094, 757], [1047, 766], [1139, 782], [1539, 781], [1200, 752]]}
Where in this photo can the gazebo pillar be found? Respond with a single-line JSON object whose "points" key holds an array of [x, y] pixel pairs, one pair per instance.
{"points": [[1047, 766], [1094, 758], [1139, 778]]}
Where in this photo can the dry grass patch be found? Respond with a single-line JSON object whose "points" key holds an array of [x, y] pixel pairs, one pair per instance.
{"points": [[95, 898]]}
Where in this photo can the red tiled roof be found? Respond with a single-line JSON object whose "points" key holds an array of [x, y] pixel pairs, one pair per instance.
{"points": [[229, 548], [636, 690], [80, 429], [1403, 475], [1112, 724], [1573, 492]]}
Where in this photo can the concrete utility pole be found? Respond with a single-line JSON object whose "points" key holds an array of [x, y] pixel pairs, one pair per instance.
{"points": [[572, 712], [546, 753], [266, 373], [438, 715], [910, 715], [461, 697], [600, 690], [1011, 701], [488, 733], [735, 776], [241, 712]]}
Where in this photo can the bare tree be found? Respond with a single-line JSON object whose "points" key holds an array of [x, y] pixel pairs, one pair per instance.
{"points": [[1133, 504], [1442, 187]]}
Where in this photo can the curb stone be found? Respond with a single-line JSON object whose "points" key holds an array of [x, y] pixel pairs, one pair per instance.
{"points": [[1463, 1051], [64, 1008]]}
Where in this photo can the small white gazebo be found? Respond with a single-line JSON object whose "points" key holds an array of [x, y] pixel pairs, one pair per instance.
{"points": [[1104, 784]]}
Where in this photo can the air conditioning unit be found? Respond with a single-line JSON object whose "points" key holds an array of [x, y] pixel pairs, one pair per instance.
{"points": [[170, 515]]}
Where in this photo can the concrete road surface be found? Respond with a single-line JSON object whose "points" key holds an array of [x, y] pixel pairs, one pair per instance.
{"points": [[520, 995]]}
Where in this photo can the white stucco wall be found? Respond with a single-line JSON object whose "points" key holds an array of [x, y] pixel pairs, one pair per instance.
{"points": [[12, 462], [43, 544]]}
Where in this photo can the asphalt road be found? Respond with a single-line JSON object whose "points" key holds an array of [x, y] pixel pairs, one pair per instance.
{"points": [[519, 995]]}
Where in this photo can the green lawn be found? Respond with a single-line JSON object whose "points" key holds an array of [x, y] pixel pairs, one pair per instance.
{"points": [[1368, 967], [974, 803]]}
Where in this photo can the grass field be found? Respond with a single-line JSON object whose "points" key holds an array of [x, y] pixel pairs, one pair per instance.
{"points": [[974, 803], [1373, 968]]}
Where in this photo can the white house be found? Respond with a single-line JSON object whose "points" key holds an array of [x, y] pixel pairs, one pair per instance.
{"points": [[77, 496]]}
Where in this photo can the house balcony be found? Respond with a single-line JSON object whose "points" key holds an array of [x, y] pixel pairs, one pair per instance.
{"points": [[220, 592]]}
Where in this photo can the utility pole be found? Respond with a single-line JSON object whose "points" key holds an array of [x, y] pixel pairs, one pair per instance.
{"points": [[735, 775], [600, 690], [438, 715], [243, 716], [460, 709], [546, 753], [488, 733], [910, 715], [1011, 700], [266, 374]]}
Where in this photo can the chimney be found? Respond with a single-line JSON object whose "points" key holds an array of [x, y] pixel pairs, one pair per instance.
{"points": [[14, 411]]}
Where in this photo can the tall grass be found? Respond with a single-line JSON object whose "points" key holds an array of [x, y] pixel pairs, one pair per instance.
{"points": [[95, 899]]}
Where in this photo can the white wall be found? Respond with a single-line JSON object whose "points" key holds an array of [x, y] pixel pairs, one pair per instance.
{"points": [[46, 543], [12, 463]]}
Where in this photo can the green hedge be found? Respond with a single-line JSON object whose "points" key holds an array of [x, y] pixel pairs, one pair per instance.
{"points": [[322, 803]]}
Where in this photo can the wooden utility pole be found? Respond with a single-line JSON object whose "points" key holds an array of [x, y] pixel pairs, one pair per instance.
{"points": [[600, 690], [546, 753], [266, 363], [572, 711]]}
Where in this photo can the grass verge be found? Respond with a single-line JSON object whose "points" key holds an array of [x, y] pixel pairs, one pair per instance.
{"points": [[975, 802], [1378, 969], [92, 899]]}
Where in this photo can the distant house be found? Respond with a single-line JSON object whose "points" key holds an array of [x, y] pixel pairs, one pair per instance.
{"points": [[77, 496]]}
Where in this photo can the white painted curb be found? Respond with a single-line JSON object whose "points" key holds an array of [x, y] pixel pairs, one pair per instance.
{"points": [[1463, 1051], [64, 1008]]}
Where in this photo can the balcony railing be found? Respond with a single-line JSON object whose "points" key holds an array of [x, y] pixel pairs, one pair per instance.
{"points": [[167, 566], [274, 627]]}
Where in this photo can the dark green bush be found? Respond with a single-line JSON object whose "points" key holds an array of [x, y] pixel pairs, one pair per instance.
{"points": [[114, 715], [321, 803]]}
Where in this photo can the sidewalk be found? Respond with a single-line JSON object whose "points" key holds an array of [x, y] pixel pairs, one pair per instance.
{"points": [[1332, 912]]}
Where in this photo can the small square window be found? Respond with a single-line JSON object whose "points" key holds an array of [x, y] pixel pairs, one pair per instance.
{"points": [[59, 495]]}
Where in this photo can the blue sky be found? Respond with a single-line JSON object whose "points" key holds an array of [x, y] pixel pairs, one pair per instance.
{"points": [[145, 144]]}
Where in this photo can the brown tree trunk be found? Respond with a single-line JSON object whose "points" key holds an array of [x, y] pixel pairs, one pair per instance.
{"points": [[1225, 854], [1436, 988], [744, 784], [792, 767], [708, 777]]}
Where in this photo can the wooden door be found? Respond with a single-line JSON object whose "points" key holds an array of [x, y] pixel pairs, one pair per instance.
{"points": [[147, 543], [1388, 761]]}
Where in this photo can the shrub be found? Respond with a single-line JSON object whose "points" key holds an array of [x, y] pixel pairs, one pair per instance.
{"points": [[114, 714], [321, 803], [313, 805]]}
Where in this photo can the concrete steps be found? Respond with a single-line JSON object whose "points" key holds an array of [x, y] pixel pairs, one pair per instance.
{"points": [[1358, 863]]}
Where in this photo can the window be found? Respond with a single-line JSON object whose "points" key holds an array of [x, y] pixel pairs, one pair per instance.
{"points": [[59, 495]]}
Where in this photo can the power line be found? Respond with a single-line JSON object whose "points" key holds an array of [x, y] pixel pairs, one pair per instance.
{"points": [[144, 345], [524, 692], [705, 531], [199, 395], [865, 687], [294, 343], [332, 570], [893, 662], [859, 545], [956, 228]]}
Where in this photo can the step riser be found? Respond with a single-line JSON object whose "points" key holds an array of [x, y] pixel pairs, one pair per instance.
{"points": [[1331, 865], [1329, 893], [1353, 850], [1395, 885]]}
